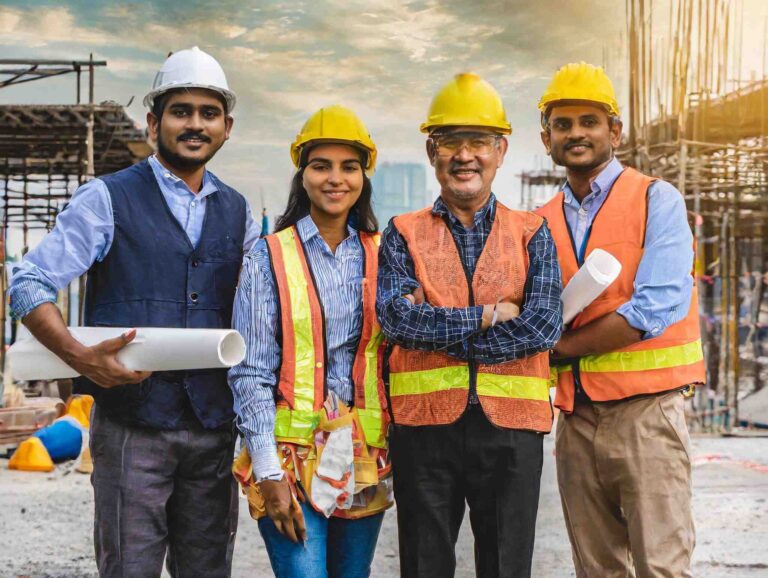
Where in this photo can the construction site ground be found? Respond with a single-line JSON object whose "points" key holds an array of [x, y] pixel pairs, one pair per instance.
{"points": [[46, 521]]}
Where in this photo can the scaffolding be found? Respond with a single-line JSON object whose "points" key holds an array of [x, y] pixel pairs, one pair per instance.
{"points": [[538, 186], [47, 151], [693, 122]]}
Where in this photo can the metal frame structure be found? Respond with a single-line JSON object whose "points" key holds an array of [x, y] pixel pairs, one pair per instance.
{"points": [[47, 151]]}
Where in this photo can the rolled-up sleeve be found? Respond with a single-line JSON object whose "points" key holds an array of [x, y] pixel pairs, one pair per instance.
{"points": [[412, 326], [82, 235], [663, 282], [254, 380], [540, 322]]}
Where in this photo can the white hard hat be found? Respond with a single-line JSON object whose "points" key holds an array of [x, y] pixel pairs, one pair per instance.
{"points": [[191, 68]]}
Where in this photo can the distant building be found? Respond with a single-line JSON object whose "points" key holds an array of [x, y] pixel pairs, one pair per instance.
{"points": [[399, 188]]}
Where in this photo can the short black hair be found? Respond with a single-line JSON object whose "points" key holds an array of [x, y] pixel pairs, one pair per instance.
{"points": [[158, 105]]}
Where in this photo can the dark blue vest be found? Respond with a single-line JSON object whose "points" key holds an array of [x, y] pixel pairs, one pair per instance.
{"points": [[154, 277]]}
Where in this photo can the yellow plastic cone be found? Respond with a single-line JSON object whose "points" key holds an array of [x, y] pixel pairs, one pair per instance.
{"points": [[79, 407], [31, 456]]}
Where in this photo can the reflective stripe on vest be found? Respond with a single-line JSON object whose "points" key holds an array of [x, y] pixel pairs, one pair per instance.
{"points": [[643, 360], [302, 377]]}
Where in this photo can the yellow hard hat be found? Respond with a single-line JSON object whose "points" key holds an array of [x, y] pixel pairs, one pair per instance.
{"points": [[31, 456], [335, 123], [467, 100], [580, 81]]}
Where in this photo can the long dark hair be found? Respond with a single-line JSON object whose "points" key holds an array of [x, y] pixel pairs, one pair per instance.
{"points": [[361, 217]]}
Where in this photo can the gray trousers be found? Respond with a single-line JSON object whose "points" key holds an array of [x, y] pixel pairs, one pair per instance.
{"points": [[162, 492]]}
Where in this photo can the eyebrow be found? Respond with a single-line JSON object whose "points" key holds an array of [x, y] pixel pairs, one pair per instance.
{"points": [[188, 106], [324, 160]]}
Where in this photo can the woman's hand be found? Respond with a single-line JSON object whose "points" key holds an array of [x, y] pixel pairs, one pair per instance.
{"points": [[283, 509]]}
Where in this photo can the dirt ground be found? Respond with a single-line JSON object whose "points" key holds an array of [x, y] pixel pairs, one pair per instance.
{"points": [[46, 521]]}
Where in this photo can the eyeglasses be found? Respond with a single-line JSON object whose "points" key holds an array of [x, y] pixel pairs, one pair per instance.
{"points": [[477, 144]]}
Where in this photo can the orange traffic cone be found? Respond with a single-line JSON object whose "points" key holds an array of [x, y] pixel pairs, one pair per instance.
{"points": [[31, 456]]}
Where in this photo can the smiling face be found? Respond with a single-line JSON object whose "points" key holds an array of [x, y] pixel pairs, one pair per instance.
{"points": [[333, 179], [581, 137], [192, 127], [465, 161]]}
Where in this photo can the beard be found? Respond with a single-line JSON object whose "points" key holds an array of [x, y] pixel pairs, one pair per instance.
{"points": [[181, 162]]}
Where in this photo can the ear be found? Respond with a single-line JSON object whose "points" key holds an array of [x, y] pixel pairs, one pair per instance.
{"points": [[229, 121], [615, 133], [503, 146], [546, 138], [153, 125], [430, 151]]}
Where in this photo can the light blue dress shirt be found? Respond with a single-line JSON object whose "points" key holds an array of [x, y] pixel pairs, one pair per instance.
{"points": [[339, 279], [663, 282], [84, 232]]}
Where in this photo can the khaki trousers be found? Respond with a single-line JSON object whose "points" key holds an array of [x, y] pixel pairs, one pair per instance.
{"points": [[624, 473]]}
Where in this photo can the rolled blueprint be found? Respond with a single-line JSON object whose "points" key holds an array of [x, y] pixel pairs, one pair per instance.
{"points": [[598, 272], [153, 349]]}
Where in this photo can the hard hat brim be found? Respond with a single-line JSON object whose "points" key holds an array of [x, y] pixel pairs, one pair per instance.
{"points": [[228, 95]]}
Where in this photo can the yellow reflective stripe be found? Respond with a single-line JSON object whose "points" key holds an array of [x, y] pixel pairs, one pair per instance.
{"points": [[428, 380], [304, 362], [675, 356], [513, 386], [298, 426], [370, 419], [371, 378]]}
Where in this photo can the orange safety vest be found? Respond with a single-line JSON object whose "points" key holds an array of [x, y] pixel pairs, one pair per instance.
{"points": [[301, 385], [432, 388], [671, 360]]}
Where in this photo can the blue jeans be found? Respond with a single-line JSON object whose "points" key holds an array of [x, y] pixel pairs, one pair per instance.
{"points": [[335, 548]]}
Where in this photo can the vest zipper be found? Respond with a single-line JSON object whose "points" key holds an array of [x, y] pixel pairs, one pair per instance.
{"points": [[471, 340]]}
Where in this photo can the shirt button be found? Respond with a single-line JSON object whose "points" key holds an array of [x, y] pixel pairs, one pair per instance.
{"points": [[193, 203], [195, 263], [193, 296]]}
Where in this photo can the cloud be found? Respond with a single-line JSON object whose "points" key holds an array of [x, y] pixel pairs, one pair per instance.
{"points": [[38, 27]]}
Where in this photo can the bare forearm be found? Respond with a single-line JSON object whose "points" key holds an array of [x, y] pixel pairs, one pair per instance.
{"points": [[47, 325], [608, 333]]}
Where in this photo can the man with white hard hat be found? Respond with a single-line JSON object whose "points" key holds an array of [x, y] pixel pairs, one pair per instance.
{"points": [[162, 242]]}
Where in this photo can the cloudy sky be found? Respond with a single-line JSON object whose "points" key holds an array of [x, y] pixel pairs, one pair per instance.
{"points": [[284, 60]]}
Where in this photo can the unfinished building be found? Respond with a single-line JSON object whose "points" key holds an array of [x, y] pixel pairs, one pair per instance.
{"points": [[693, 121], [47, 151]]}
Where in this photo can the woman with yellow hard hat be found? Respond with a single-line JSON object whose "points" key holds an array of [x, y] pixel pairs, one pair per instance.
{"points": [[309, 395]]}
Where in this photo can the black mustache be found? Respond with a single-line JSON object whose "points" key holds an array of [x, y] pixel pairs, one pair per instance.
{"points": [[193, 135], [577, 144]]}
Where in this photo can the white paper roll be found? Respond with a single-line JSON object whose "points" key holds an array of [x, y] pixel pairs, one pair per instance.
{"points": [[153, 349], [599, 270]]}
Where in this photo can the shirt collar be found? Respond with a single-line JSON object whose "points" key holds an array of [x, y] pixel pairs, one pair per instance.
{"points": [[487, 212], [600, 186], [307, 229], [165, 176]]}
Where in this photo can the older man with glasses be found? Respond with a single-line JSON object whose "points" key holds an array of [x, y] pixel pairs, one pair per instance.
{"points": [[469, 297]]}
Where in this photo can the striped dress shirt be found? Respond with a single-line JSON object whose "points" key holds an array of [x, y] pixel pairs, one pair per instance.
{"points": [[256, 316]]}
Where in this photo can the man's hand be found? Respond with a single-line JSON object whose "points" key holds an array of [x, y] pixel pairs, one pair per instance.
{"points": [[283, 509], [99, 362], [416, 297], [505, 311]]}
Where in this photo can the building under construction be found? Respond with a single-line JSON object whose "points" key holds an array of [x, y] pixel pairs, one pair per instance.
{"points": [[47, 151], [695, 122]]}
